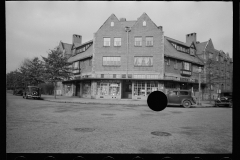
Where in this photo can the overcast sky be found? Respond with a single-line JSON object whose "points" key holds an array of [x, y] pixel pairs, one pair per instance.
{"points": [[32, 28]]}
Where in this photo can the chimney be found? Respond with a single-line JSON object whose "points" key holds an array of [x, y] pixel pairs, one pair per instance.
{"points": [[77, 39], [122, 19], [160, 27], [192, 37]]}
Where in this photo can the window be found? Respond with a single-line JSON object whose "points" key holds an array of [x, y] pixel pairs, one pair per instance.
{"points": [[151, 86], [76, 67], [138, 41], [143, 61], [117, 41], [183, 93], [112, 24], [175, 64], [168, 61], [139, 88], [111, 61], [217, 58], [149, 41], [144, 23], [106, 42], [186, 66]]}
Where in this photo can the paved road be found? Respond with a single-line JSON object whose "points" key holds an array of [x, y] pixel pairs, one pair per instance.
{"points": [[38, 126]]}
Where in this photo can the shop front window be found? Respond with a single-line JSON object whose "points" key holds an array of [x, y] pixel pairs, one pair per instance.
{"points": [[114, 89], [108, 88], [151, 86], [139, 89]]}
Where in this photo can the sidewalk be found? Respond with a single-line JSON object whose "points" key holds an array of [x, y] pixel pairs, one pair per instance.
{"points": [[66, 99]]}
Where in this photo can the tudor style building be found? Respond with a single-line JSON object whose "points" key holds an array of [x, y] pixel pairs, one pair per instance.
{"points": [[181, 65]]}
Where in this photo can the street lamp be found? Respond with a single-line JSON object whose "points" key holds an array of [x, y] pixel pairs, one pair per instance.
{"points": [[127, 29]]}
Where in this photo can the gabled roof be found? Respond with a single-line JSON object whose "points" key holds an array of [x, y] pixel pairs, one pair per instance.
{"points": [[201, 47], [67, 47], [83, 55], [84, 43], [176, 41], [170, 51]]}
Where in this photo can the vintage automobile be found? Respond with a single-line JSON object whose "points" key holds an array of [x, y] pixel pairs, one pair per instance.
{"points": [[18, 92], [180, 97], [224, 99], [32, 92]]}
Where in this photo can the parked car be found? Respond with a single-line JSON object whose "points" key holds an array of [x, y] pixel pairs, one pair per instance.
{"points": [[32, 92], [224, 99], [18, 92], [181, 97]]}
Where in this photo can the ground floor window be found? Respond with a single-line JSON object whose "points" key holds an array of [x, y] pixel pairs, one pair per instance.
{"points": [[139, 88], [144, 88], [108, 88], [170, 85], [151, 86]]}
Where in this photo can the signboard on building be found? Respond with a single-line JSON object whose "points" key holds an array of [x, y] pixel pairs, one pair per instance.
{"points": [[185, 72], [184, 79]]}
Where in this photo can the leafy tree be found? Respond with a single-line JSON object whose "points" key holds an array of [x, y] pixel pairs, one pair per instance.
{"points": [[32, 71], [56, 68], [211, 76], [14, 79]]}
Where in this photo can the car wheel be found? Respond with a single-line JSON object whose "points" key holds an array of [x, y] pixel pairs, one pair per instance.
{"points": [[186, 104]]}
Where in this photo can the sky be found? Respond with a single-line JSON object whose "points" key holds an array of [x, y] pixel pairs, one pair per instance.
{"points": [[33, 28]]}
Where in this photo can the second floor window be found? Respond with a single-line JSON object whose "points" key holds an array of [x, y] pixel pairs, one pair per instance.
{"points": [[138, 41], [106, 41], [143, 61], [117, 41], [186, 66], [149, 41], [111, 61]]}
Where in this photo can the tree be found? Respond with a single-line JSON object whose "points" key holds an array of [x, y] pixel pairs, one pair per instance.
{"points": [[211, 76], [32, 71], [14, 79], [56, 68]]}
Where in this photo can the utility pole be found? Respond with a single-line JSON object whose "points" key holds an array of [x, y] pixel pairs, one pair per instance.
{"points": [[199, 86]]}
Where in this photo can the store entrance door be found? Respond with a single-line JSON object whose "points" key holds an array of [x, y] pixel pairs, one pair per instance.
{"points": [[127, 90]]}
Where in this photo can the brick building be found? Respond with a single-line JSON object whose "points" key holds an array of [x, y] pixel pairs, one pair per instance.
{"points": [[219, 71], [130, 59], [125, 59]]}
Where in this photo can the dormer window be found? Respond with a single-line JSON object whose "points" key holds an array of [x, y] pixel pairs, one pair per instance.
{"points": [[144, 23], [112, 24]]}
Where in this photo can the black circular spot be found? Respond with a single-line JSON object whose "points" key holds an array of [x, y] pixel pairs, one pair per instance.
{"points": [[79, 158], [157, 101], [20, 158]]}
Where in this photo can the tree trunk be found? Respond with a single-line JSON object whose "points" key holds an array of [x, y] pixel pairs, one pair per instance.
{"points": [[54, 89]]}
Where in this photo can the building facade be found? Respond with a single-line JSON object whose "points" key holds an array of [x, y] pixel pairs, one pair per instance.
{"points": [[130, 59], [217, 72]]}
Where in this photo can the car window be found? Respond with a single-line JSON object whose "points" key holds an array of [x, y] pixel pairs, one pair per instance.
{"points": [[173, 93], [182, 93]]}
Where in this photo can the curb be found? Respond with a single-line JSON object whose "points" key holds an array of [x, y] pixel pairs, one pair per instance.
{"points": [[91, 103]]}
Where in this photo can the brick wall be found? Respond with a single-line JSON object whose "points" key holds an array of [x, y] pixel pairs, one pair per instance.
{"points": [[137, 30]]}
